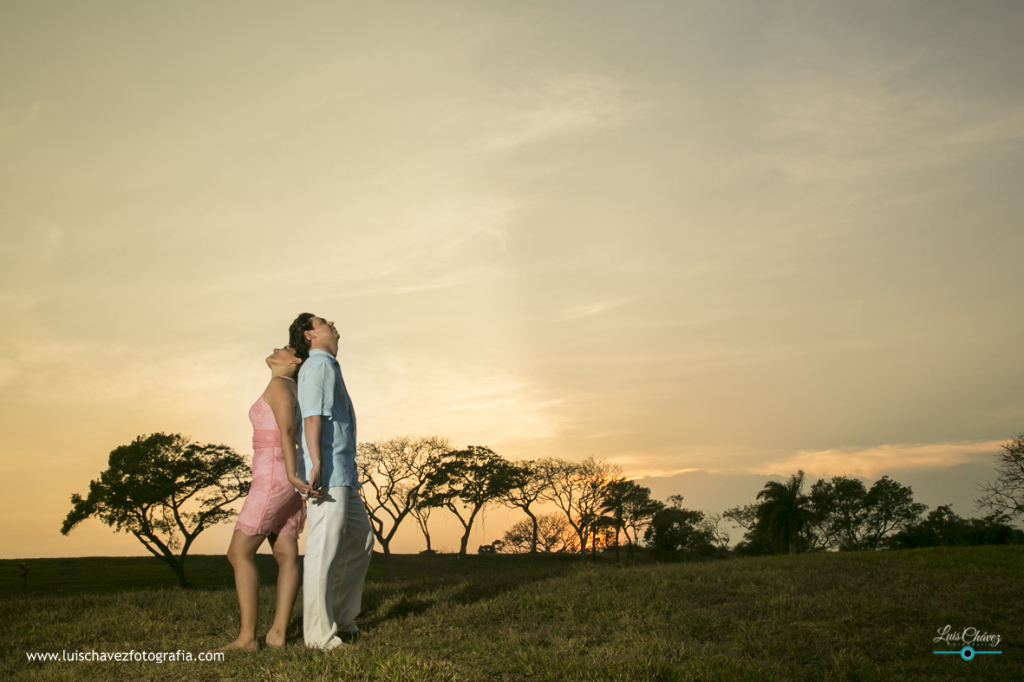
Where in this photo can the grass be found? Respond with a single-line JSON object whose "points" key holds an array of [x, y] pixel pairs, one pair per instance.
{"points": [[856, 616], [118, 574]]}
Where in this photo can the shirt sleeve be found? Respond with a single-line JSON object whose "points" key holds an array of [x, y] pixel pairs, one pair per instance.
{"points": [[316, 390]]}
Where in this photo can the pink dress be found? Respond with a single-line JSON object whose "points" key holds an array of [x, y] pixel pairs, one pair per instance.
{"points": [[273, 506]]}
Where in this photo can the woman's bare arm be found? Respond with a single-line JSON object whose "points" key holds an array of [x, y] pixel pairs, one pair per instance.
{"points": [[281, 398]]}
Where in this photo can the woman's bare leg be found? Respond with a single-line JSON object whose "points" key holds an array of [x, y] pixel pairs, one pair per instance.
{"points": [[286, 551], [242, 555]]}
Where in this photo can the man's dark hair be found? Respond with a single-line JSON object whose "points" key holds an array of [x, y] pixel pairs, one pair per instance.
{"points": [[297, 337]]}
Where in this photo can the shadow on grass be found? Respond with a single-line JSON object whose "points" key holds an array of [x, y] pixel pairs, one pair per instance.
{"points": [[426, 581]]}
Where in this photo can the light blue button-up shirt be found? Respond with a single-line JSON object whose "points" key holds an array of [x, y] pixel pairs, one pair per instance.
{"points": [[322, 393]]}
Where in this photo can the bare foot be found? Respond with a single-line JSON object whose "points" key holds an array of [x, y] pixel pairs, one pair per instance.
{"points": [[240, 644], [344, 647], [275, 640]]}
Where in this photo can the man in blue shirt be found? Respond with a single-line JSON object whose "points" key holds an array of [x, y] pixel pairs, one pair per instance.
{"points": [[339, 542]]}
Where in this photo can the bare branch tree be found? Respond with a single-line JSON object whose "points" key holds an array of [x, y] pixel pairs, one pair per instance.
{"points": [[421, 513], [553, 534], [1005, 495], [531, 483], [577, 488], [466, 481], [717, 530], [394, 473]]}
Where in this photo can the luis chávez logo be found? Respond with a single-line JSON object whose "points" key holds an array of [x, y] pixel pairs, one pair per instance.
{"points": [[969, 638]]}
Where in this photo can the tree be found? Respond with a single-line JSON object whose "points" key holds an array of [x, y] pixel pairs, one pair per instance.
{"points": [[891, 508], [165, 491], [757, 538], [577, 488], [464, 481], [394, 473], [943, 527], [718, 534], [840, 512], [421, 513], [553, 534], [638, 512], [630, 507], [785, 512], [612, 508], [1005, 495], [675, 529], [530, 485], [604, 534]]}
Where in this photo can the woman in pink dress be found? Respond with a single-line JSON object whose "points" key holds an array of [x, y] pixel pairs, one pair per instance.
{"points": [[273, 509]]}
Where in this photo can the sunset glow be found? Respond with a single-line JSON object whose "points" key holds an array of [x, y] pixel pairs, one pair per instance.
{"points": [[690, 238]]}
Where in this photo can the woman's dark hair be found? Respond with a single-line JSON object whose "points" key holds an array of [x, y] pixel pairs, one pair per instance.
{"points": [[295, 374], [297, 337]]}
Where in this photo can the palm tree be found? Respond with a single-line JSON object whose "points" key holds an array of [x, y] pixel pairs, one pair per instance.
{"points": [[784, 512]]}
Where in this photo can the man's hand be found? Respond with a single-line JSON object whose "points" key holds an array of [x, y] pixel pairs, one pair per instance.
{"points": [[312, 428], [314, 479]]}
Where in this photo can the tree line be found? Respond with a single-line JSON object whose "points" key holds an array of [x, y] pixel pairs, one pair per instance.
{"points": [[165, 490], [599, 509], [845, 515]]}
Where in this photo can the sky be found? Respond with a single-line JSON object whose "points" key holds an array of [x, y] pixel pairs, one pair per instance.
{"points": [[714, 243]]}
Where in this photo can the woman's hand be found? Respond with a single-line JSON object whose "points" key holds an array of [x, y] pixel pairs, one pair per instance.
{"points": [[303, 487]]}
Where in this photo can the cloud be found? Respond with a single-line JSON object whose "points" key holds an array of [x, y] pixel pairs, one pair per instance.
{"points": [[471, 404], [870, 462], [848, 125], [427, 244], [876, 461], [8, 371], [558, 106], [90, 372], [1000, 128], [442, 282], [634, 473], [51, 233], [11, 121], [31, 243], [577, 312]]}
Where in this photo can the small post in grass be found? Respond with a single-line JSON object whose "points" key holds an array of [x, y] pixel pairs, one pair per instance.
{"points": [[23, 569]]}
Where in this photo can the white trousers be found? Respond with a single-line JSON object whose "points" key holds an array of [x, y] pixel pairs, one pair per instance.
{"points": [[339, 544]]}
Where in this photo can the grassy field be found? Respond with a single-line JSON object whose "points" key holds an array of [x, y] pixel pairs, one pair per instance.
{"points": [[856, 616]]}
